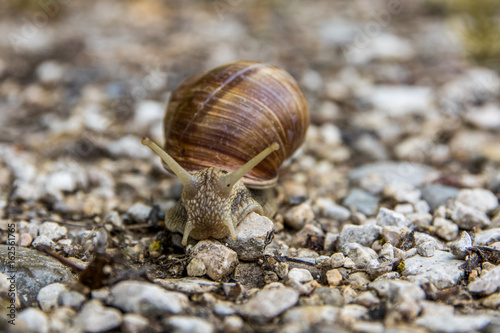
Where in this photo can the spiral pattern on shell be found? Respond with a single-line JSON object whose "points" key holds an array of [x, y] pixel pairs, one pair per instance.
{"points": [[224, 117]]}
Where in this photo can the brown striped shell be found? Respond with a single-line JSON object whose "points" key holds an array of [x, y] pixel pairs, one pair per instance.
{"points": [[224, 117]]}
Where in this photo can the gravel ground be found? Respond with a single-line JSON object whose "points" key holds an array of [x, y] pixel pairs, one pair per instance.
{"points": [[388, 218]]}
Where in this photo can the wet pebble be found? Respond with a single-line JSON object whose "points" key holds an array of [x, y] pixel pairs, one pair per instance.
{"points": [[146, 299]]}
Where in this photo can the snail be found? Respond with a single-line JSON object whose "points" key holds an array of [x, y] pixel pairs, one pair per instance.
{"points": [[227, 132]]}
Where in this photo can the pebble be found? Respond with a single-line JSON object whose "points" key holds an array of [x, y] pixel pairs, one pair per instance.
{"points": [[426, 249], [359, 254], [334, 277], [102, 318], [387, 217], [30, 228], [467, 217], [196, 267], [436, 195], [485, 116], [187, 324], [219, 260], [48, 295], [402, 192], [252, 237], [32, 320], [420, 220], [134, 323], [233, 324], [351, 313], [195, 285], [487, 283], [147, 299], [35, 270], [385, 47], [269, 302], [71, 299], [362, 201], [460, 246], [25, 240], [478, 198], [404, 297], [50, 72], [337, 260], [311, 315], [53, 230], [492, 301], [362, 234], [445, 228], [393, 234], [442, 269], [487, 237], [129, 146], [441, 318], [43, 240], [148, 113], [301, 275], [358, 280], [298, 216], [330, 241], [139, 212]]}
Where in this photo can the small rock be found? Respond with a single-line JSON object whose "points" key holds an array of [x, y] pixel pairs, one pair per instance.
{"points": [[48, 295], [368, 327], [328, 208], [330, 241], [362, 201], [478, 198], [233, 324], [307, 233], [404, 209], [334, 277], [468, 217], [103, 318], [146, 299], [445, 229], [393, 234], [299, 274], [43, 240], [351, 313], [298, 216], [252, 237], [25, 240], [387, 217], [361, 255], [420, 220], [128, 146], [337, 259], [460, 246], [367, 299], [492, 301], [196, 267], [224, 309], [363, 234], [402, 192], [219, 260], [485, 116], [71, 299], [312, 315], [50, 72], [269, 302], [487, 283], [134, 323], [487, 237], [436, 195], [358, 280], [139, 212], [32, 320], [426, 249], [404, 296], [52, 230], [187, 324], [442, 269], [195, 285]]}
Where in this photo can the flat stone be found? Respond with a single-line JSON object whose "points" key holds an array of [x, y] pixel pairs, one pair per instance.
{"points": [[147, 299], [269, 302], [487, 283], [442, 269], [362, 234], [252, 236], [219, 260], [95, 318]]}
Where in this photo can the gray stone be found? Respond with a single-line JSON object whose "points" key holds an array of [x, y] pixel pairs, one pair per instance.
{"points": [[34, 270], [485, 116], [445, 229], [269, 302], [32, 320], [362, 234], [393, 234], [128, 146], [362, 201], [146, 299], [467, 217], [50, 72], [94, 317], [298, 216], [328, 208], [387, 217], [48, 295], [487, 283], [134, 323], [393, 172], [487, 237], [219, 260], [195, 285], [402, 192], [436, 195], [187, 324], [299, 274], [43, 240], [460, 246], [441, 318], [478, 198], [252, 237], [442, 269], [139, 212], [71, 299], [426, 249], [359, 254]]}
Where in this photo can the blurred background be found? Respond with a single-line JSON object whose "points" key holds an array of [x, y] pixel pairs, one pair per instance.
{"points": [[82, 81]]}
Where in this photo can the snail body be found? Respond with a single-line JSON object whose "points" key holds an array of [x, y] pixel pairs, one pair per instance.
{"points": [[227, 131]]}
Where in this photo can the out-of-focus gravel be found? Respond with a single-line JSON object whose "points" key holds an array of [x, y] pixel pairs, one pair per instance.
{"points": [[388, 219]]}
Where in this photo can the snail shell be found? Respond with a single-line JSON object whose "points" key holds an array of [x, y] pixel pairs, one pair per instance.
{"points": [[224, 117]]}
